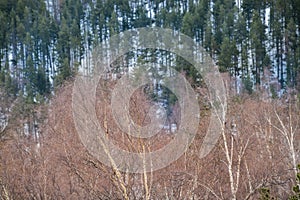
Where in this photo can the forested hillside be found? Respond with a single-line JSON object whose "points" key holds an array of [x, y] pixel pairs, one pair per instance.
{"points": [[44, 42], [255, 44]]}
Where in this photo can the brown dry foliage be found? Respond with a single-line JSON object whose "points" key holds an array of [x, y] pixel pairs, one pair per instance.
{"points": [[61, 168]]}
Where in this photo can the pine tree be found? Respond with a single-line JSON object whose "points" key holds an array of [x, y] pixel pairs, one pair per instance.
{"points": [[30, 79], [141, 19], [42, 82], [3, 36], [291, 45], [225, 61], [241, 32], [208, 40], [258, 37], [200, 19], [244, 59], [188, 24], [113, 24], [63, 49]]}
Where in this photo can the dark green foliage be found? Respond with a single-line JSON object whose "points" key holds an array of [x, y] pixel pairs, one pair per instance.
{"points": [[296, 188], [2, 78], [258, 37], [55, 43], [64, 72], [265, 194], [248, 85], [11, 86], [291, 46], [225, 56], [141, 19], [188, 70], [273, 92], [241, 32], [188, 24], [42, 82]]}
